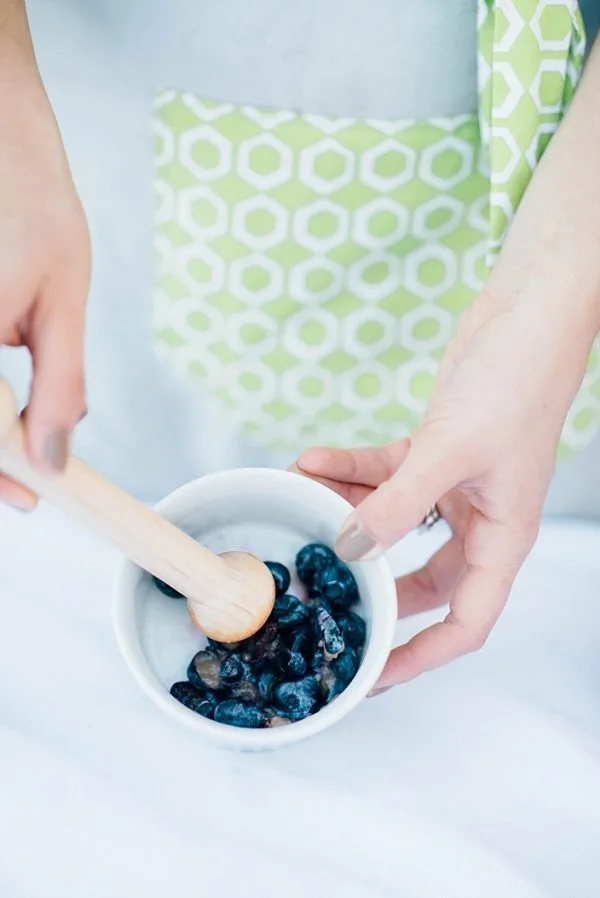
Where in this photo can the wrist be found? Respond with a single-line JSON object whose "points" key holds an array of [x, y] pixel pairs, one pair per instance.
{"points": [[550, 337], [561, 290], [30, 130]]}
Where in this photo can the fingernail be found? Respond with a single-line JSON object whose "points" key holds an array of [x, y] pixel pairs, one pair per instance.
{"points": [[20, 500], [57, 450], [355, 544], [19, 506], [303, 460], [375, 692]]}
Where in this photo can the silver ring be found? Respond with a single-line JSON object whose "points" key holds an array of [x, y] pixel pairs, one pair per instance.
{"points": [[431, 518]]}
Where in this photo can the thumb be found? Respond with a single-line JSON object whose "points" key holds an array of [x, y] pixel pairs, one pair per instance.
{"points": [[400, 504], [57, 400]]}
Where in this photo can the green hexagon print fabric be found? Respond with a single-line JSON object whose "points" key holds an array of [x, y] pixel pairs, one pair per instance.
{"points": [[312, 269]]}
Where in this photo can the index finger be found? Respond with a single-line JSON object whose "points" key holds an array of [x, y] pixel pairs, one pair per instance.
{"points": [[354, 493], [57, 399], [368, 467]]}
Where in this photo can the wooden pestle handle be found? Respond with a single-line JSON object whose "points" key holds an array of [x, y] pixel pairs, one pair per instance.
{"points": [[221, 596]]}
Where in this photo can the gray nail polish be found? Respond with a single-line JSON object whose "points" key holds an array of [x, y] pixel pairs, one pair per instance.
{"points": [[375, 692], [355, 544], [57, 449], [16, 506]]}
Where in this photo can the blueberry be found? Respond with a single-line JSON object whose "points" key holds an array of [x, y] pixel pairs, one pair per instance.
{"points": [[239, 714], [317, 661], [337, 585], [294, 660], [263, 646], [346, 666], [354, 629], [167, 590], [290, 665], [281, 576], [246, 691], [295, 701], [221, 649], [318, 601], [193, 699], [302, 640], [265, 683], [334, 676], [313, 558], [288, 611], [204, 671], [329, 635], [330, 683], [296, 666], [233, 669]]}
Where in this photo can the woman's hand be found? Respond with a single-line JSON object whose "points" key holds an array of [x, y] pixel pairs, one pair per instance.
{"points": [[485, 454], [44, 253]]}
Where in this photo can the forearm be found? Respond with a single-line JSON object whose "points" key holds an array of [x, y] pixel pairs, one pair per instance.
{"points": [[553, 247], [28, 128], [17, 58]]}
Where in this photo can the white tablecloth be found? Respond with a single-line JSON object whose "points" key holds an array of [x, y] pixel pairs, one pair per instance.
{"points": [[478, 781]]}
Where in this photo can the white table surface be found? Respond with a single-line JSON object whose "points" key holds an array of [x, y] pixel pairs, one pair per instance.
{"points": [[479, 780]]}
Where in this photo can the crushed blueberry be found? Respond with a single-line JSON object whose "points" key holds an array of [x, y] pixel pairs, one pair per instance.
{"points": [[266, 682], [290, 664], [301, 640], [233, 670], [204, 671], [346, 666], [201, 703], [264, 646], [317, 660], [302, 658], [328, 634], [246, 691], [330, 684]]}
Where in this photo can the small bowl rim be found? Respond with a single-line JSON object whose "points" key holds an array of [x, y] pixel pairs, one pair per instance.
{"points": [[267, 738]]}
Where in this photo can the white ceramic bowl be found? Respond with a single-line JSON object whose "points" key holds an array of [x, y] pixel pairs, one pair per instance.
{"points": [[272, 514]]}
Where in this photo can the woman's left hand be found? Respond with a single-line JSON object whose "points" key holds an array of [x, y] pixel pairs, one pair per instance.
{"points": [[484, 454], [486, 450]]}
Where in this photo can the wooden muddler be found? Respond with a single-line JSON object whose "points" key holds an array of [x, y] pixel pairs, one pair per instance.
{"points": [[229, 596]]}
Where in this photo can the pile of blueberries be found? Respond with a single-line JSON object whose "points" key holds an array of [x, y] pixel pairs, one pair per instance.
{"points": [[298, 662]]}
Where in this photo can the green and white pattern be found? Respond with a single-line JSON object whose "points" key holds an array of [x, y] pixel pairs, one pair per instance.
{"points": [[312, 269]]}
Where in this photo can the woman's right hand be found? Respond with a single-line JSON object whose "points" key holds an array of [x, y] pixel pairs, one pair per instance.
{"points": [[44, 269]]}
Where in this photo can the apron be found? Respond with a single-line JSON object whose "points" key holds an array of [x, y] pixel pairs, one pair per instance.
{"points": [[313, 269]]}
